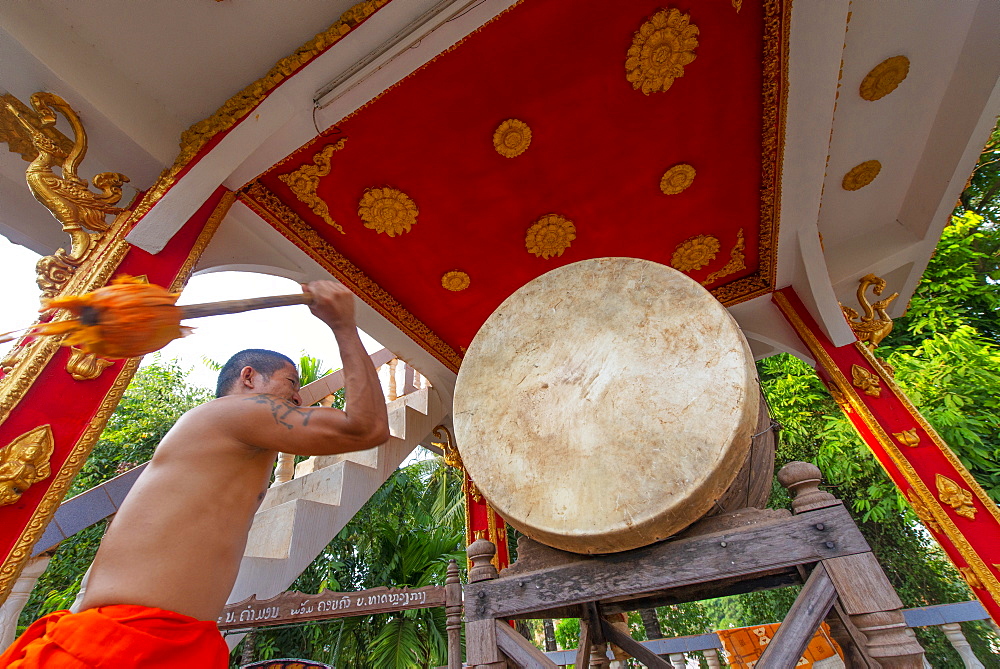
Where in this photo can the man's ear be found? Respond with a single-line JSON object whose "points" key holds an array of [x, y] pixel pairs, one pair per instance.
{"points": [[248, 377]]}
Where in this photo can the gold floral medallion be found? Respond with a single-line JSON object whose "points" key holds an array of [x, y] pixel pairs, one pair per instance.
{"points": [[512, 138], [550, 236], [884, 78], [387, 210], [455, 281], [677, 179], [861, 175], [660, 49], [694, 253]]}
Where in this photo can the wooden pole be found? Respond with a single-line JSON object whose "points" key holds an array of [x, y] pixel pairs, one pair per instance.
{"points": [[453, 615], [238, 306]]}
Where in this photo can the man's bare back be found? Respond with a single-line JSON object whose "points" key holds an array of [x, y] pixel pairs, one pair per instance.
{"points": [[177, 541]]}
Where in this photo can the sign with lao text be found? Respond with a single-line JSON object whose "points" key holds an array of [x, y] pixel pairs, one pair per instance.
{"points": [[289, 607]]}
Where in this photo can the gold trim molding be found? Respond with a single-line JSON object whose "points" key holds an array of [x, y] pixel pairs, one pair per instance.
{"points": [[24, 462], [305, 180]]}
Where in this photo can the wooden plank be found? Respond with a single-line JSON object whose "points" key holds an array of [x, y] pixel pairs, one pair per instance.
{"points": [[862, 585], [294, 606], [584, 644], [803, 619], [806, 538], [520, 650], [481, 643], [633, 647]]}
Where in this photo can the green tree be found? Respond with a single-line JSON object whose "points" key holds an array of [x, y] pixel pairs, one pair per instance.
{"points": [[403, 536]]}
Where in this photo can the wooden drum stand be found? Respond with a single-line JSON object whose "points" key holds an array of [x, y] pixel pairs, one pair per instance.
{"points": [[817, 544]]}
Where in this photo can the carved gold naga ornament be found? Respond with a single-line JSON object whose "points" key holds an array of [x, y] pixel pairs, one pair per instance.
{"points": [[869, 329], [80, 210], [24, 462]]}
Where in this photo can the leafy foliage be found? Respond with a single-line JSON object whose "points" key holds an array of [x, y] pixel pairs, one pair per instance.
{"points": [[403, 536]]}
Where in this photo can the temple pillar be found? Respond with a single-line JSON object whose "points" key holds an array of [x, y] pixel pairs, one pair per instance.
{"points": [[39, 375], [950, 503], [11, 609]]}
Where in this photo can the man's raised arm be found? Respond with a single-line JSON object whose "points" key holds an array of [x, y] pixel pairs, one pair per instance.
{"points": [[365, 413]]}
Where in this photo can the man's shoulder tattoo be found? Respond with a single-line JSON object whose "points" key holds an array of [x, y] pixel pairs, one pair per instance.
{"points": [[282, 410]]}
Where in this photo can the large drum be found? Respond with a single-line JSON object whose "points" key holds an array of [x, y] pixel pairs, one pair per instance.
{"points": [[606, 405]]}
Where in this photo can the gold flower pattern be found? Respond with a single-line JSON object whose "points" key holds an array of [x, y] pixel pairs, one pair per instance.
{"points": [[677, 179], [512, 138], [861, 175], [455, 281], [550, 236], [660, 49], [694, 253], [884, 78], [387, 210]]}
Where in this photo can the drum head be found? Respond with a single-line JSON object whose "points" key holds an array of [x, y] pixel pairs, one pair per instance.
{"points": [[606, 405]]}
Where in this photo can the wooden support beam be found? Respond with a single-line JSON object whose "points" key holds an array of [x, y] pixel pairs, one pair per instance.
{"points": [[584, 644], [633, 647], [519, 649], [803, 539], [803, 619]]}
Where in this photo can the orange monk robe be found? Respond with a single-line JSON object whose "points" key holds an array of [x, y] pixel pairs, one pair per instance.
{"points": [[118, 637]]}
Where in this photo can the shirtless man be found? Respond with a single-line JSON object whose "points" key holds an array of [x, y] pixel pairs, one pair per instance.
{"points": [[170, 558]]}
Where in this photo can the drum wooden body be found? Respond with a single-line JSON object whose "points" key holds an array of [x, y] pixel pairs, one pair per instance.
{"points": [[606, 405]]}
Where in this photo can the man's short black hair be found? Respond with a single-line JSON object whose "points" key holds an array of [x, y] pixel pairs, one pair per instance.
{"points": [[264, 361]]}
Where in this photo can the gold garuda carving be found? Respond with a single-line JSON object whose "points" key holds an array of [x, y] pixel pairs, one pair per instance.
{"points": [[387, 210], [80, 210], [695, 253], [869, 329], [660, 49], [16, 137], [550, 236], [24, 462], [865, 380], [305, 181], [955, 496]]}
